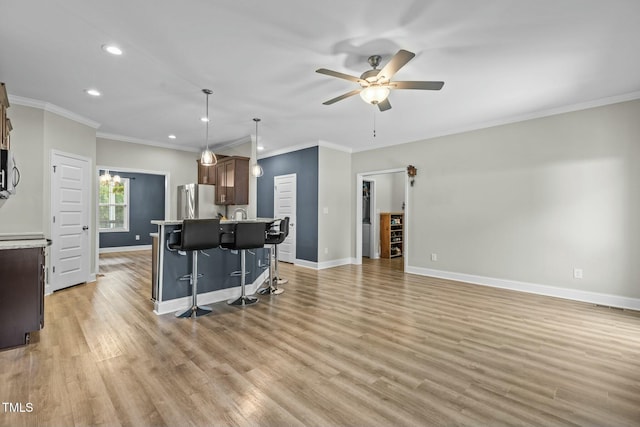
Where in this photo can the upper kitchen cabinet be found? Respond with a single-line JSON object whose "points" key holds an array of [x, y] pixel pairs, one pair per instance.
{"points": [[5, 123], [232, 181], [206, 174]]}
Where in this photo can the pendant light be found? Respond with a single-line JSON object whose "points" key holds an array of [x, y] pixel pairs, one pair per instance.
{"points": [[256, 169], [208, 158]]}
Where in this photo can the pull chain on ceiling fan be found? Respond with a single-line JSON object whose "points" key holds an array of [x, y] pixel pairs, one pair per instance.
{"points": [[375, 84]]}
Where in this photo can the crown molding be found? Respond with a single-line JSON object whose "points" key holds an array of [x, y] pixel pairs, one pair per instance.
{"points": [[631, 96], [52, 108], [305, 145], [230, 144], [334, 146], [131, 140]]}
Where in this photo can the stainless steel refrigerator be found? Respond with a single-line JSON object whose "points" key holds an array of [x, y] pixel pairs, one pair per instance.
{"points": [[197, 201]]}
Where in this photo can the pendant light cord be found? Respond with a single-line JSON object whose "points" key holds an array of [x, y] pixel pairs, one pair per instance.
{"points": [[206, 135]]}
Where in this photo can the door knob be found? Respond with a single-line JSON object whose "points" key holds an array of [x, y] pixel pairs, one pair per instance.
{"points": [[85, 228]]}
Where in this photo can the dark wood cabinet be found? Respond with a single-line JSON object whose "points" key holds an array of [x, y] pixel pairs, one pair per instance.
{"points": [[232, 181], [21, 294], [206, 174], [5, 123]]}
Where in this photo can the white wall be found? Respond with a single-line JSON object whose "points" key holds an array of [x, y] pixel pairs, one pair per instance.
{"points": [[23, 212], [181, 166], [335, 208], [529, 201]]}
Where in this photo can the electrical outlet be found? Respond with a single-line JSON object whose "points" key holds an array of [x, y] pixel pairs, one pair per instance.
{"points": [[325, 210], [577, 273], [434, 257], [137, 237], [326, 250]]}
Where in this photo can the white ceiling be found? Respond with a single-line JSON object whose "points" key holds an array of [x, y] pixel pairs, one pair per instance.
{"points": [[500, 60]]}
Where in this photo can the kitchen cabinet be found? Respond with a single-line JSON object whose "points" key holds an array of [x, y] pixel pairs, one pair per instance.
{"points": [[5, 123], [232, 181], [21, 294], [391, 234], [206, 174]]}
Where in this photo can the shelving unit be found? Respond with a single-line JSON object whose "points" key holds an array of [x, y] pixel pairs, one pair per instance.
{"points": [[391, 234]]}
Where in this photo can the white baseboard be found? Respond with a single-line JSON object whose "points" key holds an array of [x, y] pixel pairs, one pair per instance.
{"points": [[125, 249], [533, 288], [170, 306], [305, 263], [324, 264]]}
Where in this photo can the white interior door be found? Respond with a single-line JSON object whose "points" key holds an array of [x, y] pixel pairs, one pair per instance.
{"points": [[70, 206], [284, 204]]}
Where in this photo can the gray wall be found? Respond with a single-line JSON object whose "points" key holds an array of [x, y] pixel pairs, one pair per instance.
{"points": [[180, 167], [146, 203], [529, 201], [304, 163]]}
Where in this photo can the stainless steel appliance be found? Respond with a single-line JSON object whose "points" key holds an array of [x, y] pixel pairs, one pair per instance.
{"points": [[197, 201]]}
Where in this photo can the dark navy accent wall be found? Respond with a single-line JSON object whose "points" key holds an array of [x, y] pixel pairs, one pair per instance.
{"points": [[146, 201], [304, 163]]}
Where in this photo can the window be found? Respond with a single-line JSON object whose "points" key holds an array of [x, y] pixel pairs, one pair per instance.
{"points": [[114, 205]]}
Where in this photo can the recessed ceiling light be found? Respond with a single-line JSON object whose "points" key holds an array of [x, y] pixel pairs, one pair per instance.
{"points": [[93, 92], [204, 119], [260, 148], [172, 136], [112, 49]]}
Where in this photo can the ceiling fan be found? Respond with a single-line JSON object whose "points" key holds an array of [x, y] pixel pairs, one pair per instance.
{"points": [[376, 84]]}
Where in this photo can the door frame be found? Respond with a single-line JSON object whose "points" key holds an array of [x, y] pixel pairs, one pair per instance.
{"points": [[373, 231], [167, 201], [91, 276], [291, 224], [407, 235]]}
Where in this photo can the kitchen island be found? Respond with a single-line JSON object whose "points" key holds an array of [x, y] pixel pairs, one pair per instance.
{"points": [[21, 289], [220, 268]]}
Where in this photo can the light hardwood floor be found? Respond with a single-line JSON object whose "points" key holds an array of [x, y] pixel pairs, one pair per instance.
{"points": [[357, 346]]}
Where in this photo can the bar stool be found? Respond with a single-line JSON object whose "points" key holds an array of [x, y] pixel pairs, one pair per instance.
{"points": [[274, 237], [246, 235], [196, 235], [284, 228]]}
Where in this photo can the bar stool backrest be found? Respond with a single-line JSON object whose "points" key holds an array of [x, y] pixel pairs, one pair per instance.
{"points": [[284, 227], [199, 234], [249, 235]]}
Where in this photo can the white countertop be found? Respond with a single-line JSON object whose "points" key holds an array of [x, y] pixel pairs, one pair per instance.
{"points": [[224, 221], [23, 244]]}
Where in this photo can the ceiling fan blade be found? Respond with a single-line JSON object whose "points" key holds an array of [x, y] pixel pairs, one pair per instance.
{"points": [[341, 97], [384, 105], [339, 75], [417, 85], [398, 61]]}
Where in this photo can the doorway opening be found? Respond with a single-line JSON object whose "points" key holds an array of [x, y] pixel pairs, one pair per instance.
{"points": [[382, 204], [120, 240]]}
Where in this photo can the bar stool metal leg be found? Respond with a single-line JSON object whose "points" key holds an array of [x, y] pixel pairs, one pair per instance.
{"points": [[194, 310], [272, 289], [244, 299], [278, 280]]}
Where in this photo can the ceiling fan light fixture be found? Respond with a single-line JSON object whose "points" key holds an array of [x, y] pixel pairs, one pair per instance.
{"points": [[374, 94]]}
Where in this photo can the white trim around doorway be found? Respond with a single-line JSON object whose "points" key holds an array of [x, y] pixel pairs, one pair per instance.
{"points": [[407, 235]]}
